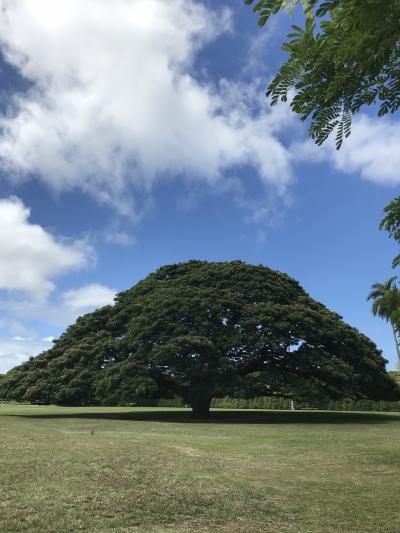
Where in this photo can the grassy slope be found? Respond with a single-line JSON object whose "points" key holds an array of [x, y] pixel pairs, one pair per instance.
{"points": [[153, 471]]}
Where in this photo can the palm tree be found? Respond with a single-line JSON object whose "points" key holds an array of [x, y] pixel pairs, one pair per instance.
{"points": [[386, 304]]}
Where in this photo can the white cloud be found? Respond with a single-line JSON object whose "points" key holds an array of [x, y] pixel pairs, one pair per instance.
{"points": [[30, 257], [55, 312], [16, 351], [258, 63], [89, 296], [59, 310], [17, 329], [115, 106], [372, 150], [121, 238]]}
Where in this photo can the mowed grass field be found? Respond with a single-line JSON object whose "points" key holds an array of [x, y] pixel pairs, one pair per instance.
{"points": [[152, 470]]}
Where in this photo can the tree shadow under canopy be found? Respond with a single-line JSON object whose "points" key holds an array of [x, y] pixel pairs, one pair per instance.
{"points": [[228, 417]]}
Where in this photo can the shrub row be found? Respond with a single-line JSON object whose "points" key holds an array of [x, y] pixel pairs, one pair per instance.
{"points": [[263, 402], [274, 402]]}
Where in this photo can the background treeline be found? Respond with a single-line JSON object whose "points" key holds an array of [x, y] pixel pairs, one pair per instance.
{"points": [[275, 402], [285, 404]]}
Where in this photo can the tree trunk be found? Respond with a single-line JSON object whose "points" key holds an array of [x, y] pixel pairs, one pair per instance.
{"points": [[200, 406], [396, 343]]}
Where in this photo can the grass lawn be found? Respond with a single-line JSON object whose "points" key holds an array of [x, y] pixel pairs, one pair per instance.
{"points": [[153, 470]]}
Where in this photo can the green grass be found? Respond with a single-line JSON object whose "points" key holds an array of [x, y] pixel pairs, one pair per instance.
{"points": [[153, 470]]}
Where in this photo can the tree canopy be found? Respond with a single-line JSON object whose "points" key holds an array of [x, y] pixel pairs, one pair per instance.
{"points": [[202, 330], [386, 304], [345, 57], [391, 224]]}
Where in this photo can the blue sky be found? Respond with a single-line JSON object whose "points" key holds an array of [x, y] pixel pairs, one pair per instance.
{"points": [[141, 137]]}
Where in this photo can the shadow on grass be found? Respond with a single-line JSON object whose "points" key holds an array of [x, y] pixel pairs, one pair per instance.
{"points": [[230, 417]]}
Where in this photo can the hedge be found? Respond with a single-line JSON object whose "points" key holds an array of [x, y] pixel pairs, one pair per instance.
{"points": [[274, 402]]}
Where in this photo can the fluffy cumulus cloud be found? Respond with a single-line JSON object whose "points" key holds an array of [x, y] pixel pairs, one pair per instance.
{"points": [[114, 105], [371, 151], [89, 296], [59, 310], [17, 350], [18, 342], [30, 257]]}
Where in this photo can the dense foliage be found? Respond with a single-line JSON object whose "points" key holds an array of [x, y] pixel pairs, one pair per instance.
{"points": [[386, 304], [284, 404], [391, 223], [200, 330], [345, 57]]}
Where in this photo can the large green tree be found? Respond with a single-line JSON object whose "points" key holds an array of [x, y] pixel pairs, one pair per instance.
{"points": [[345, 57], [202, 330]]}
